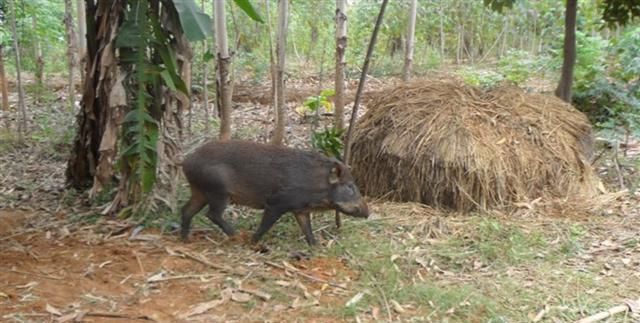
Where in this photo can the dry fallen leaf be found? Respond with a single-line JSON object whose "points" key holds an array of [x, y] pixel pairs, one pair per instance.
{"points": [[240, 297], [396, 306], [68, 318], [52, 310], [27, 285], [355, 299], [375, 312], [157, 277], [202, 308]]}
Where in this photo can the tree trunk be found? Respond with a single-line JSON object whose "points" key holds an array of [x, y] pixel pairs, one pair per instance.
{"points": [[363, 78], [71, 49], [281, 42], [205, 85], [22, 123], [94, 147], [223, 72], [3, 87], [408, 53], [272, 62], [82, 39], [442, 34], [563, 90], [39, 73], [341, 47]]}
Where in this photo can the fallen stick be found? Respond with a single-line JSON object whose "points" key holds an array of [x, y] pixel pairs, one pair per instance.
{"points": [[212, 265], [305, 275], [260, 294], [36, 274], [120, 316], [629, 306]]}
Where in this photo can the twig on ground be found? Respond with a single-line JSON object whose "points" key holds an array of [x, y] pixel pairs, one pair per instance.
{"points": [[142, 272], [36, 274], [212, 265], [260, 294], [633, 306], [120, 316], [298, 272]]}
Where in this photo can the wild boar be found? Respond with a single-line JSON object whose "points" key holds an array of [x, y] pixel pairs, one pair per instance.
{"points": [[274, 178]]}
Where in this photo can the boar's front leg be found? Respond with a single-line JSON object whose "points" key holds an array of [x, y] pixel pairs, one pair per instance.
{"points": [[305, 225], [271, 215]]}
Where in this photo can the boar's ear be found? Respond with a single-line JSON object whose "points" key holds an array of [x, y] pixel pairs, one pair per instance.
{"points": [[336, 173]]}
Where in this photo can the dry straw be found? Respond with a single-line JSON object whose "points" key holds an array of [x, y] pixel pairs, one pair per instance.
{"points": [[448, 144]]}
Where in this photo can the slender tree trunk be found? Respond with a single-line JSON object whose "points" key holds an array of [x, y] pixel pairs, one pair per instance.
{"points": [[341, 47], [363, 78], [3, 87], [82, 39], [205, 85], [442, 34], [563, 90], [39, 61], [283, 11], [223, 72], [22, 123], [272, 62], [408, 58], [71, 49]]}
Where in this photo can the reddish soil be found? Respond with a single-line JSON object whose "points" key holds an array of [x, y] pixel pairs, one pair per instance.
{"points": [[87, 273]]}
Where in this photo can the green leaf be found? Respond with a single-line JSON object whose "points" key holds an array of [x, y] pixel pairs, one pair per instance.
{"points": [[328, 92], [129, 34], [246, 6], [196, 24], [168, 81], [208, 56]]}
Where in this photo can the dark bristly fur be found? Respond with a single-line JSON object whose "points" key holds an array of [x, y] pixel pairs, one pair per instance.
{"points": [[264, 176]]}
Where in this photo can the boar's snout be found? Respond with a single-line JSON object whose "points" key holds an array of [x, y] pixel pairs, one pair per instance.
{"points": [[357, 208]]}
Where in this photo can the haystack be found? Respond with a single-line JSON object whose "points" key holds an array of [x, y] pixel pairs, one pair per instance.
{"points": [[448, 144]]}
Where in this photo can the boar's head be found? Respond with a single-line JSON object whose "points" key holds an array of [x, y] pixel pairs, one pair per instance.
{"points": [[344, 194]]}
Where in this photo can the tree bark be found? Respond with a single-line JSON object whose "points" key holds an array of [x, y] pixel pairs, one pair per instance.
{"points": [[3, 86], [272, 62], [408, 58], [442, 34], [94, 147], [22, 122], [563, 91], [223, 72], [82, 39], [205, 85], [341, 47], [281, 42], [71, 49], [39, 73]]}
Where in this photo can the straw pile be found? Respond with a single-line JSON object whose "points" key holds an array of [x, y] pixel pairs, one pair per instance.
{"points": [[447, 144]]}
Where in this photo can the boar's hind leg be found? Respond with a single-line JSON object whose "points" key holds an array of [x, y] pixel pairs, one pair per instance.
{"points": [[217, 204], [305, 225], [195, 204]]}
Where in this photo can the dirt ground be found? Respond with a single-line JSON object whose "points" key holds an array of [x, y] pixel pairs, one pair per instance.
{"points": [[76, 273]]}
